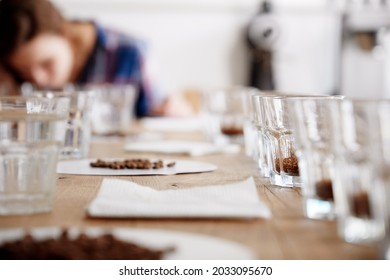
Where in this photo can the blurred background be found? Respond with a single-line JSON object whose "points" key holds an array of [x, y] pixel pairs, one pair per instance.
{"points": [[306, 46]]}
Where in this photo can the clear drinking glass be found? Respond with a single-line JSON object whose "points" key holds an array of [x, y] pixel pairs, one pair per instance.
{"points": [[225, 114], [356, 148], [312, 126], [250, 131], [113, 109], [78, 129], [32, 131], [281, 154], [262, 139], [380, 198]]}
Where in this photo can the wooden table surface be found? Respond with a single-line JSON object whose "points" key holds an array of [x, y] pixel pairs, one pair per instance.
{"points": [[287, 235]]}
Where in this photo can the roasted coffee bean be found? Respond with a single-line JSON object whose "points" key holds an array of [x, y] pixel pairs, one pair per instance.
{"points": [[324, 189], [290, 165], [105, 247], [232, 131], [131, 164], [361, 205], [98, 163]]}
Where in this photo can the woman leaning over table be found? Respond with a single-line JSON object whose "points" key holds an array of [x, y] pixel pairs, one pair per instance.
{"points": [[38, 45]]}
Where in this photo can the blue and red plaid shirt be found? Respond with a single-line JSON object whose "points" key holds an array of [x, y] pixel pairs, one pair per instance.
{"points": [[119, 59]]}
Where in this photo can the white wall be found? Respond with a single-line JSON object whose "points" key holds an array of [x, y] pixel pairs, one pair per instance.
{"points": [[195, 43], [200, 43]]}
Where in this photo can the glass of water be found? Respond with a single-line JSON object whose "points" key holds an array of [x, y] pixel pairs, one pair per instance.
{"points": [[32, 131], [78, 128]]}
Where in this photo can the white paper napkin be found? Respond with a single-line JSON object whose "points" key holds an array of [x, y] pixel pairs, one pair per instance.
{"points": [[190, 148], [120, 199], [171, 124]]}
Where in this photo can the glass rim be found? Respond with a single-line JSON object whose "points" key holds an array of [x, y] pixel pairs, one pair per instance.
{"points": [[232, 88], [367, 100], [59, 93], [58, 106], [27, 98], [69, 87], [301, 97]]}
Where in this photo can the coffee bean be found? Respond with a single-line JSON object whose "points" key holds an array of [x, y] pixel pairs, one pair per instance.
{"points": [[105, 247], [232, 131], [131, 164], [324, 189], [361, 205], [290, 165]]}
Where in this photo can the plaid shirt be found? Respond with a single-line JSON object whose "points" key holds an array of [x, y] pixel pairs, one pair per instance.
{"points": [[119, 59]]}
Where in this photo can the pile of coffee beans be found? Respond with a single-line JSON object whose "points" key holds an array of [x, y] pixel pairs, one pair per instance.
{"points": [[289, 164], [361, 205], [232, 131], [105, 247], [131, 164], [324, 189]]}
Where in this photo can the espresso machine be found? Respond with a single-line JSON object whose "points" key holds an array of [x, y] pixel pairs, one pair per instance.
{"points": [[262, 32], [341, 47]]}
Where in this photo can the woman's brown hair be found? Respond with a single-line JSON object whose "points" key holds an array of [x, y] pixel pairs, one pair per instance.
{"points": [[22, 20]]}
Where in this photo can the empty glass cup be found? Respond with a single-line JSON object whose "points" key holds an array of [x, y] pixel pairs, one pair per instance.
{"points": [[250, 131], [32, 131], [262, 139], [113, 109]]}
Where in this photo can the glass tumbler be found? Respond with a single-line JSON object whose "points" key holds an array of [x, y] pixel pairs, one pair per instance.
{"points": [[113, 109], [262, 139], [32, 131], [78, 129], [225, 114], [312, 126], [281, 153], [356, 149], [380, 196]]}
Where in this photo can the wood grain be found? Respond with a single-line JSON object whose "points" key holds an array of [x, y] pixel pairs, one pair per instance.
{"points": [[287, 235]]}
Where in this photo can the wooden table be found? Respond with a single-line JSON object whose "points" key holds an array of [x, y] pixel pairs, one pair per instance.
{"points": [[287, 235]]}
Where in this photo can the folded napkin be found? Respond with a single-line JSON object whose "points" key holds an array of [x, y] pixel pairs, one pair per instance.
{"points": [[172, 124], [120, 199], [190, 148]]}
